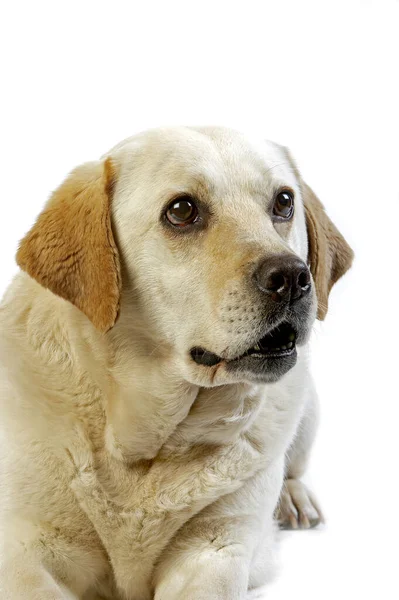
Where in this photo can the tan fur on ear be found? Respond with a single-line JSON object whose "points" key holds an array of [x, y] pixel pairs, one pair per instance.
{"points": [[71, 248], [330, 256]]}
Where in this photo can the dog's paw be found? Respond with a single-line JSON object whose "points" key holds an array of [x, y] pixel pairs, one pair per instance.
{"points": [[297, 507]]}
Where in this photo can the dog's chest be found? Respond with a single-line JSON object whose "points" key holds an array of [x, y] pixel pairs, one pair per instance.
{"points": [[226, 438]]}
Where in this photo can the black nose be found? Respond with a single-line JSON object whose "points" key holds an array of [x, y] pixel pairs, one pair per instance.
{"points": [[283, 277]]}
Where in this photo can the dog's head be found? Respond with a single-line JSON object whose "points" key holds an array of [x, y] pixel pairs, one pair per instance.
{"points": [[211, 241]]}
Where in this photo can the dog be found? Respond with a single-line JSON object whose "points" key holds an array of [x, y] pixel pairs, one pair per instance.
{"points": [[157, 406]]}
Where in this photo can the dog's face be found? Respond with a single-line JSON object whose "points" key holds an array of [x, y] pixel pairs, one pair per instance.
{"points": [[213, 236], [218, 238]]}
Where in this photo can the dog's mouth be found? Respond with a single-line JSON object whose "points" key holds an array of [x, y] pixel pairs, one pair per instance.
{"points": [[278, 343]]}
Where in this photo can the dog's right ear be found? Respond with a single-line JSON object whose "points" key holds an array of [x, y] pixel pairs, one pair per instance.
{"points": [[330, 255], [71, 248]]}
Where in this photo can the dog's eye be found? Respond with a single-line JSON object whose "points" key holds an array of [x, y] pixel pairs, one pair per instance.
{"points": [[182, 211], [284, 204]]}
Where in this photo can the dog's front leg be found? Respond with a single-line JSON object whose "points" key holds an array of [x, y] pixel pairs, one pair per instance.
{"points": [[298, 507], [215, 556]]}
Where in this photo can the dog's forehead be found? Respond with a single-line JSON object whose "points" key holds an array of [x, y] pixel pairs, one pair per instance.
{"points": [[222, 159], [248, 161]]}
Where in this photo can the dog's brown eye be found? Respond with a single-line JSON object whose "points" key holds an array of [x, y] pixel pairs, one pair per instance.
{"points": [[284, 204], [182, 211]]}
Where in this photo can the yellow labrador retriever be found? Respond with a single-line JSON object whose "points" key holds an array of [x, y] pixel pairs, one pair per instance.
{"points": [[154, 379]]}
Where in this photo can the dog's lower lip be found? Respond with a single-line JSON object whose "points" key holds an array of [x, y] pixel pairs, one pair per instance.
{"points": [[267, 355], [265, 348]]}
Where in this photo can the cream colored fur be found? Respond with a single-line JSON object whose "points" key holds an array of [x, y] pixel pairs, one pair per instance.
{"points": [[128, 471]]}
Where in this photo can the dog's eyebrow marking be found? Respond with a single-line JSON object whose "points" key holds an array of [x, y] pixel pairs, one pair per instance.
{"points": [[203, 187]]}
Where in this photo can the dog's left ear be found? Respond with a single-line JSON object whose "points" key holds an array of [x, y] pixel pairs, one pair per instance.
{"points": [[330, 256], [71, 250]]}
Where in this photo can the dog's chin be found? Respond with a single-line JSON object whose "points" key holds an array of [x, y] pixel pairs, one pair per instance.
{"points": [[261, 369], [266, 361], [243, 370]]}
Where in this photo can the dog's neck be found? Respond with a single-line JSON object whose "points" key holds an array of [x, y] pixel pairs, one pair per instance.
{"points": [[160, 409]]}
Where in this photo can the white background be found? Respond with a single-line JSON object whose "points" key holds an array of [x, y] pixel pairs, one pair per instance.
{"points": [[319, 77]]}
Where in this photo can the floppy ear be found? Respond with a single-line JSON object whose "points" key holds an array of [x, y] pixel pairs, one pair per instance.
{"points": [[330, 256], [71, 248]]}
